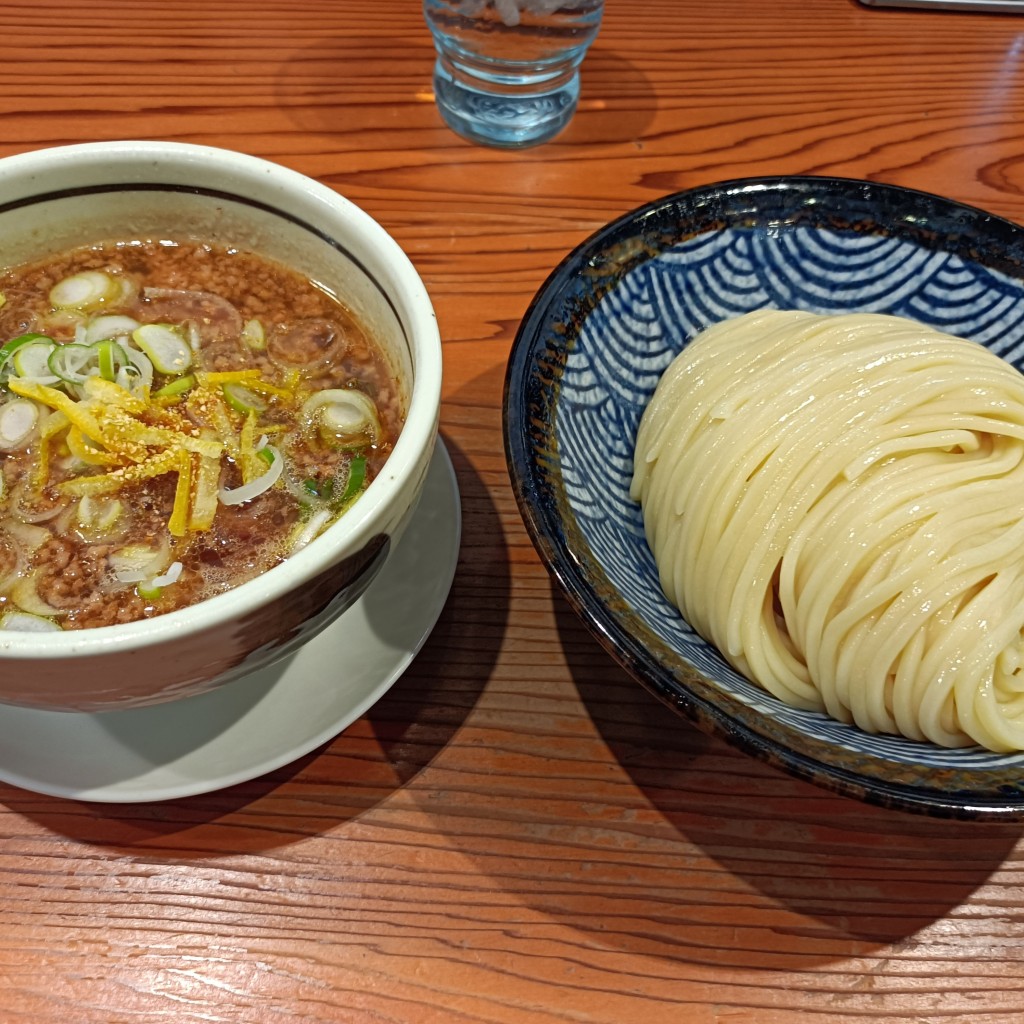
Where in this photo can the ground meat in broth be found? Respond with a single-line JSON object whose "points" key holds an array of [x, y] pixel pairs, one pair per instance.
{"points": [[235, 545], [8, 557], [310, 338], [310, 342]]}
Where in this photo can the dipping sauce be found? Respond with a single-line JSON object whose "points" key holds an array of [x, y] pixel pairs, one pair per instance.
{"points": [[175, 418]]}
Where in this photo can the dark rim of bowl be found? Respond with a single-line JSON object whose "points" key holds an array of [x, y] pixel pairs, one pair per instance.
{"points": [[537, 359]]}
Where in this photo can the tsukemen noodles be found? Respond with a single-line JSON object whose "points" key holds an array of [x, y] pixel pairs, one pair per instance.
{"points": [[837, 503], [175, 418]]}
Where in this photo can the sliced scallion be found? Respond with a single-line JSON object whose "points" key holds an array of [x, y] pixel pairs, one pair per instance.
{"points": [[109, 358], [150, 590], [85, 290], [112, 326], [178, 386], [347, 418], [254, 336], [309, 530], [166, 347], [322, 489], [137, 562], [18, 419], [142, 368], [25, 622], [31, 361], [241, 399], [24, 594], [71, 362], [97, 516], [356, 479], [12, 346]]}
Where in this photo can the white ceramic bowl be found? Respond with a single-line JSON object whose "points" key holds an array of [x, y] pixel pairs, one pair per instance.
{"points": [[58, 198]]}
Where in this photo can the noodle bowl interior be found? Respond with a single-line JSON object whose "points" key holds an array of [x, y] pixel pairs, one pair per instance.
{"points": [[837, 503], [175, 418]]}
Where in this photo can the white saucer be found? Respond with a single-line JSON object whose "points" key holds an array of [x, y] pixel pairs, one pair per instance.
{"points": [[266, 719]]}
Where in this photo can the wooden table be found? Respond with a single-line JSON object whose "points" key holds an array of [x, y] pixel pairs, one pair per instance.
{"points": [[516, 833]]}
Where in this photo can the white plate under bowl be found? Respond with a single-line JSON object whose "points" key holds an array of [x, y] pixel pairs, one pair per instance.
{"points": [[264, 720]]}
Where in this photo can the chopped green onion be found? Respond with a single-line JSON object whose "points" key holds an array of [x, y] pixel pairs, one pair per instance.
{"points": [[166, 347], [176, 387], [141, 367], [356, 478], [73, 363], [97, 516], [33, 361], [22, 339], [267, 455], [347, 418], [24, 594], [110, 326], [107, 352], [308, 530], [254, 336], [150, 590], [18, 420], [70, 362], [322, 489], [14, 344], [241, 399], [136, 562], [26, 622], [84, 290]]}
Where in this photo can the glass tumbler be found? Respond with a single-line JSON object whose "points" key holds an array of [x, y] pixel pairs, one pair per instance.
{"points": [[508, 71]]}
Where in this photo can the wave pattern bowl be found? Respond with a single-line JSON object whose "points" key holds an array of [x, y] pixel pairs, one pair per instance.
{"points": [[588, 355]]}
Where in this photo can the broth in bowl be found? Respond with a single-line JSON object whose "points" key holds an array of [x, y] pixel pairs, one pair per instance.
{"points": [[175, 419], [75, 198]]}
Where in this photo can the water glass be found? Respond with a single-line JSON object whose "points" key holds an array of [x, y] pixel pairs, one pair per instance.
{"points": [[508, 71]]}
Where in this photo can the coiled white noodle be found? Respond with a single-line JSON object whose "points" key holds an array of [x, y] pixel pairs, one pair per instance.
{"points": [[837, 503]]}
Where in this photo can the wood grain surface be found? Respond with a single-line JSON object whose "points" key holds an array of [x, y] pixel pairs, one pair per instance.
{"points": [[516, 833]]}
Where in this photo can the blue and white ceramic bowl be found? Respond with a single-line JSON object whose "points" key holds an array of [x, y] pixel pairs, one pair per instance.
{"points": [[586, 360]]}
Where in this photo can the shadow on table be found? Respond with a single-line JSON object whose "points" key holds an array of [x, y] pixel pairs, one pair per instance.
{"points": [[321, 89], [790, 874], [617, 100], [377, 755]]}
